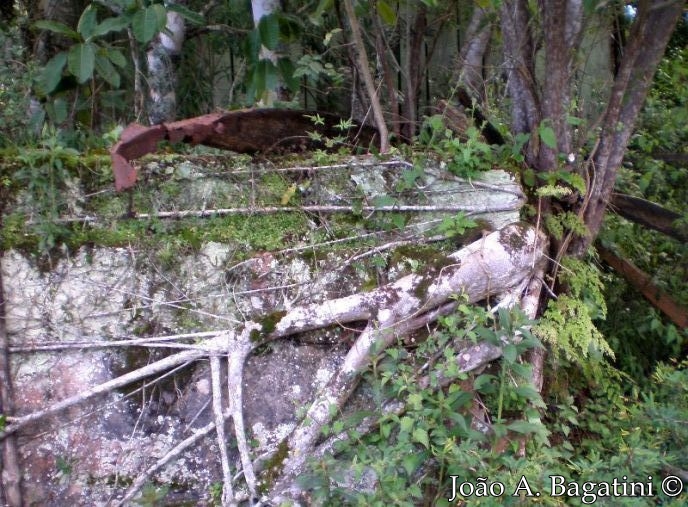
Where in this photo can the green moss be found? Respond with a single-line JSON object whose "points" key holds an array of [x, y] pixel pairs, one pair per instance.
{"points": [[270, 321], [274, 466]]}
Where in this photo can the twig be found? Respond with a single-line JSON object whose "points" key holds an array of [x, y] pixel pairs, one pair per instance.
{"points": [[227, 490], [265, 210], [364, 70], [151, 341], [237, 352], [116, 383], [171, 455]]}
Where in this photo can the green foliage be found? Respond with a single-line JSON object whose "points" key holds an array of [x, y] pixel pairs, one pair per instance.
{"points": [[456, 225], [17, 121], [639, 334], [558, 224], [263, 75], [465, 157], [46, 176], [547, 136], [147, 22], [567, 324], [92, 54], [410, 455]]}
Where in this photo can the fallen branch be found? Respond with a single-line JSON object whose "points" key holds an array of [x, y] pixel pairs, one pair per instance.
{"points": [[216, 391], [267, 210], [10, 471], [476, 271], [495, 264], [643, 282], [648, 214]]}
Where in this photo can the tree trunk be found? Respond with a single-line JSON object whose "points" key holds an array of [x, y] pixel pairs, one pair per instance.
{"points": [[649, 36], [162, 80], [472, 54]]}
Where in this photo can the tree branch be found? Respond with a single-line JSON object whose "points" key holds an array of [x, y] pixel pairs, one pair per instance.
{"points": [[364, 71]]}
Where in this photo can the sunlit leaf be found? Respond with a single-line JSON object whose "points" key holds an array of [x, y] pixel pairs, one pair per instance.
{"points": [[548, 136], [420, 435]]}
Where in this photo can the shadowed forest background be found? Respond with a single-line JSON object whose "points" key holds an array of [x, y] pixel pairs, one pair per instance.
{"points": [[582, 316]]}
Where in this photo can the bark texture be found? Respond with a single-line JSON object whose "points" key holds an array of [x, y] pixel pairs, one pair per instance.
{"points": [[649, 36]]}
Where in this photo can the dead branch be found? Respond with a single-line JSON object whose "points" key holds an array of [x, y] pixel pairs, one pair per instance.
{"points": [[10, 471], [648, 214], [215, 373], [265, 210], [492, 265], [643, 282], [171, 455], [364, 70]]}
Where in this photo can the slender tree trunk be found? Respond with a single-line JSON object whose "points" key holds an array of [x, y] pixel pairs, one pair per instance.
{"points": [[412, 69], [364, 71], [472, 54], [162, 78], [649, 36], [10, 471]]}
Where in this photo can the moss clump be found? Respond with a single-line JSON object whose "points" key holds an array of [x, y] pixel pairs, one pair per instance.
{"points": [[270, 321], [274, 466]]}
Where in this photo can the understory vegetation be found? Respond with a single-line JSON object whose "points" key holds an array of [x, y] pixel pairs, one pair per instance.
{"points": [[614, 402]]}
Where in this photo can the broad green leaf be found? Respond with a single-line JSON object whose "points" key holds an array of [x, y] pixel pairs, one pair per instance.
{"points": [[57, 110], [107, 71], [286, 70], [81, 61], [421, 436], [117, 57], [482, 381], [271, 75], [111, 25], [87, 22], [252, 47], [405, 424], [411, 462], [525, 427], [268, 27], [574, 120], [148, 22], [52, 73], [386, 13], [548, 136], [187, 14], [57, 27]]}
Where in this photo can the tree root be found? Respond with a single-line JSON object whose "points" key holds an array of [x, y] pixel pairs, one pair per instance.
{"points": [[498, 263]]}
